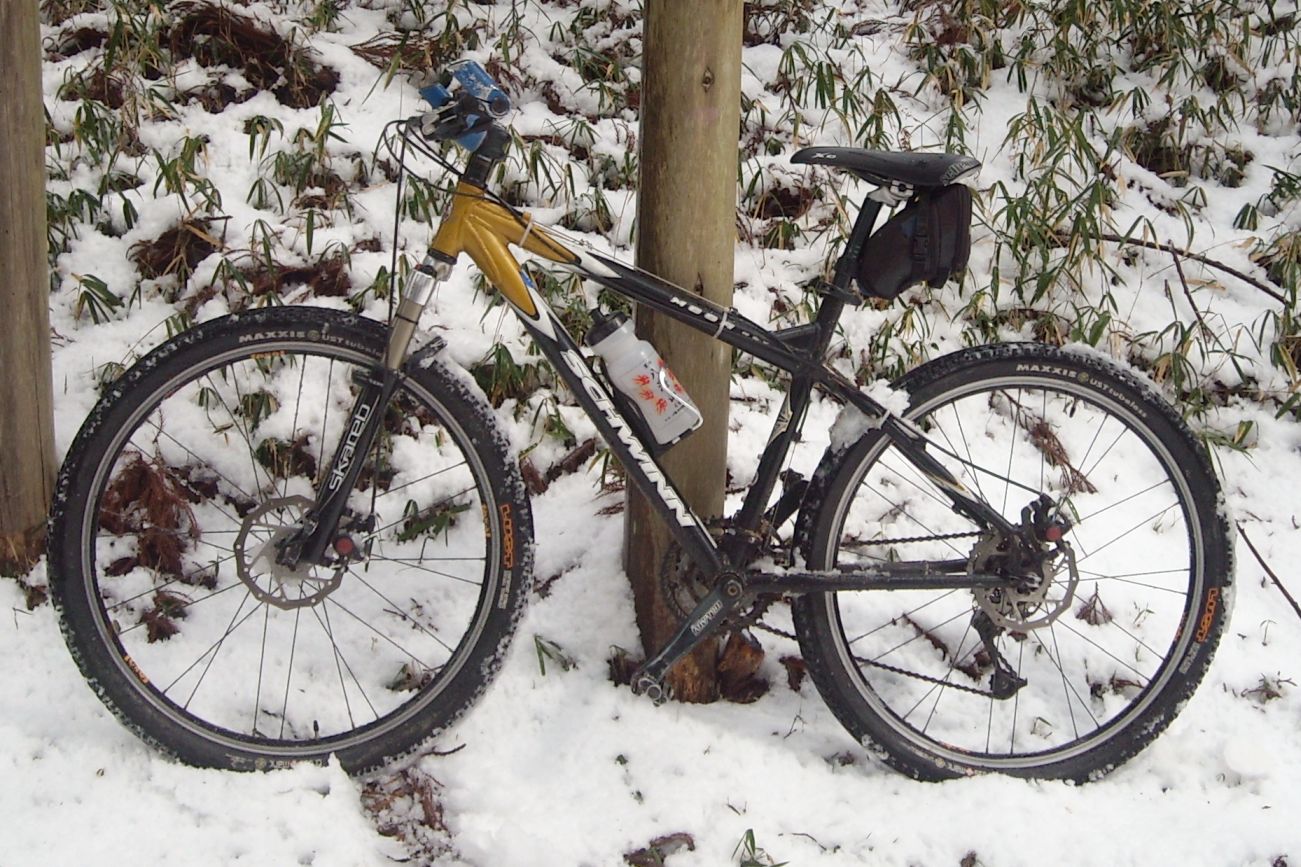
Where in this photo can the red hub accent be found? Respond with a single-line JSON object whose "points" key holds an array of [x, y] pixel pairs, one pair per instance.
{"points": [[344, 546], [1054, 532]]}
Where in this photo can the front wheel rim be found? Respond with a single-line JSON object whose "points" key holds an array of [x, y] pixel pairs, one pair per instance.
{"points": [[136, 659]]}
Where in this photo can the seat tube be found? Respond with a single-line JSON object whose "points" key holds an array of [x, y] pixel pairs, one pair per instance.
{"points": [[833, 302]]}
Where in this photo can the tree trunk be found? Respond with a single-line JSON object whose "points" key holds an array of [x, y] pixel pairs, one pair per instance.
{"points": [[26, 420], [686, 233]]}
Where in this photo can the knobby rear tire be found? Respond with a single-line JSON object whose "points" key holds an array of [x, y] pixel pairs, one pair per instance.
{"points": [[1122, 655]]}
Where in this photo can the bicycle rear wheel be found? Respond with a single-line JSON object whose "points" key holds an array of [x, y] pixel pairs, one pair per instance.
{"points": [[1109, 647], [162, 548]]}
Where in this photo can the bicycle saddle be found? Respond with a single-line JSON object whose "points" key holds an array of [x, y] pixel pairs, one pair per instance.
{"points": [[881, 167]]}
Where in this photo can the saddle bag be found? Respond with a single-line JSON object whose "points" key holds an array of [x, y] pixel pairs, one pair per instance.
{"points": [[927, 241]]}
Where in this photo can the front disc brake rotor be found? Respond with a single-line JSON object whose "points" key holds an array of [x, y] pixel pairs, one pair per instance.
{"points": [[255, 557]]}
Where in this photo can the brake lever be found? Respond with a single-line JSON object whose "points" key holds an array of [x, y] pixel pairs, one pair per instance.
{"points": [[438, 125], [464, 120]]}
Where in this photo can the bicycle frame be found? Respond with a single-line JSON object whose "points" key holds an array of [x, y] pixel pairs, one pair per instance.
{"points": [[485, 230]]}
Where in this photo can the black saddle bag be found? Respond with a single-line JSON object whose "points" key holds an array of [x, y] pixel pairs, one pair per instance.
{"points": [[927, 241]]}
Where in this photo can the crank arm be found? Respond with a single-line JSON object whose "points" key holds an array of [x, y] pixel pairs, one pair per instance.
{"points": [[701, 623]]}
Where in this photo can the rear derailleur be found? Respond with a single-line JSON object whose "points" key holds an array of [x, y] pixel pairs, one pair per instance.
{"points": [[1037, 559]]}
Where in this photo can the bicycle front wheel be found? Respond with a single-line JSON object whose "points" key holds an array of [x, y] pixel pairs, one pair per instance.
{"points": [[1108, 646], [163, 548]]}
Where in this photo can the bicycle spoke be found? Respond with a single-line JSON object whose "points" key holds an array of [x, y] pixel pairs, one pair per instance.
{"points": [[213, 649], [1108, 544], [939, 688], [341, 663], [432, 475], [1007, 488], [383, 637], [248, 437], [165, 585], [906, 614], [289, 672], [1119, 579], [400, 612], [233, 519], [1152, 487], [293, 425], [921, 633], [1016, 699], [1075, 442], [905, 512], [1066, 688], [1105, 651], [186, 607], [415, 516], [261, 664], [966, 446]]}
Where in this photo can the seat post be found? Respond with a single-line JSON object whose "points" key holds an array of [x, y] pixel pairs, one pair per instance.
{"points": [[833, 302], [854, 247]]}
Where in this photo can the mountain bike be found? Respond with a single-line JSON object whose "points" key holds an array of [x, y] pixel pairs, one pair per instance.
{"points": [[292, 532]]}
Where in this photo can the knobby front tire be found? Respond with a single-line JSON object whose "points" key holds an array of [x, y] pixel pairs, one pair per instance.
{"points": [[1109, 653], [162, 554]]}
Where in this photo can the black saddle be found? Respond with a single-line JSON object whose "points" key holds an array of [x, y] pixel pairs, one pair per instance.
{"points": [[882, 167]]}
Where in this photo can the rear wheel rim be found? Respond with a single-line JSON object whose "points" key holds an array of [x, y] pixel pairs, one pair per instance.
{"points": [[1099, 690]]}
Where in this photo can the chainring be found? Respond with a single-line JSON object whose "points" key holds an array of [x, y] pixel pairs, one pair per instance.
{"points": [[683, 586]]}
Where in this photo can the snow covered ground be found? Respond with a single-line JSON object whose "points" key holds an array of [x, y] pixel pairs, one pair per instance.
{"points": [[562, 767]]}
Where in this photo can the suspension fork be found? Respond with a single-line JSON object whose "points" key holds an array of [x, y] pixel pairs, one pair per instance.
{"points": [[377, 384]]}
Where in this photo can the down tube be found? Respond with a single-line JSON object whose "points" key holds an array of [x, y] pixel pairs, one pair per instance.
{"points": [[593, 396]]}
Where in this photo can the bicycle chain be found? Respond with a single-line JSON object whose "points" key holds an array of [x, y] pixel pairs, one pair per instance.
{"points": [[759, 612], [932, 538], [886, 666], [753, 618]]}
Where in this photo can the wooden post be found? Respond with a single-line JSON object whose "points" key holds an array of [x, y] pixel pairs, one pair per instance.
{"points": [[26, 415], [686, 233]]}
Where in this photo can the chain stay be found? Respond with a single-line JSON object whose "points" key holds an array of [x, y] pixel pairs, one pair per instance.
{"points": [[671, 576]]}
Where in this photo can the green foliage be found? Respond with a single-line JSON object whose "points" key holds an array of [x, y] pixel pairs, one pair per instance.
{"points": [[1132, 103], [433, 523], [1123, 107], [96, 299], [549, 651], [503, 378], [749, 854]]}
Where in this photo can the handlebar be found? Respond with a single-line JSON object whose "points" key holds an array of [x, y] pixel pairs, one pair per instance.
{"points": [[465, 103]]}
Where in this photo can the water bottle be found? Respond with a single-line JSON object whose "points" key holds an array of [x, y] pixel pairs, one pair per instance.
{"points": [[636, 369]]}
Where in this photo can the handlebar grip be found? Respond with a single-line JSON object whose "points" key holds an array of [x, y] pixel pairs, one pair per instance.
{"points": [[476, 81]]}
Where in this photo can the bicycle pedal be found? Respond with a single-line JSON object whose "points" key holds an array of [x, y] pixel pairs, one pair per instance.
{"points": [[651, 688]]}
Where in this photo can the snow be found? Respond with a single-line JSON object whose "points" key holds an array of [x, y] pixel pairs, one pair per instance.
{"points": [[564, 768]]}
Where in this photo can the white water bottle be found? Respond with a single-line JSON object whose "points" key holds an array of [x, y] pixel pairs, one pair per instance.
{"points": [[636, 369]]}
